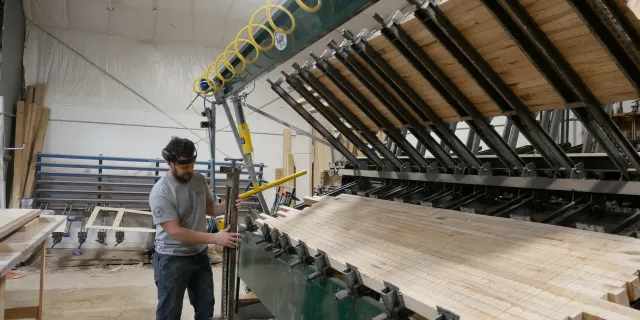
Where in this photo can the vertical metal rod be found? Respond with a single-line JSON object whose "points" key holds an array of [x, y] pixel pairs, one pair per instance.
{"points": [[229, 255], [248, 161]]}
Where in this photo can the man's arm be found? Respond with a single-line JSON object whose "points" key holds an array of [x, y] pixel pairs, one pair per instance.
{"points": [[222, 238]]}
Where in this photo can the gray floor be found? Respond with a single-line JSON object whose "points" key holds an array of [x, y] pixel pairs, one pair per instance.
{"points": [[96, 293]]}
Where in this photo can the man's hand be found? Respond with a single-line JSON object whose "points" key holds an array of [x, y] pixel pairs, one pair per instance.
{"points": [[226, 238], [239, 203]]}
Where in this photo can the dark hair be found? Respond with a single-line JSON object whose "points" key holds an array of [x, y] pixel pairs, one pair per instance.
{"points": [[181, 147]]}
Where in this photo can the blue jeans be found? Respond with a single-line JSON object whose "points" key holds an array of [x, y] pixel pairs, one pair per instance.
{"points": [[175, 274]]}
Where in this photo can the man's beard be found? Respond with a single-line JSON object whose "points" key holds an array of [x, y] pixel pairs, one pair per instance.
{"points": [[181, 178]]}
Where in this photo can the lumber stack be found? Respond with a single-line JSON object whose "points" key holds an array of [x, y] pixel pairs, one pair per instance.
{"points": [[479, 267], [289, 165], [321, 158], [31, 126], [557, 19]]}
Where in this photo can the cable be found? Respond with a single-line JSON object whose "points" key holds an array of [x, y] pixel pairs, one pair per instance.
{"points": [[250, 92], [213, 81], [122, 84]]}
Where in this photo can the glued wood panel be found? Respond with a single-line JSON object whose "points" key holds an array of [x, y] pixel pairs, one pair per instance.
{"points": [[12, 219], [477, 266]]}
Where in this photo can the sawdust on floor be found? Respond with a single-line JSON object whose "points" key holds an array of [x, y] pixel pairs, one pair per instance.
{"points": [[109, 292]]}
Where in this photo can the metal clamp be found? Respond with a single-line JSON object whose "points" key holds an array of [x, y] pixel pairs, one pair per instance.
{"points": [[578, 172], [284, 243], [444, 314], [102, 237], [460, 169], [119, 237], [273, 239], [301, 252], [265, 234], [353, 280], [321, 262], [529, 171], [393, 302], [485, 170], [433, 168], [249, 225]]}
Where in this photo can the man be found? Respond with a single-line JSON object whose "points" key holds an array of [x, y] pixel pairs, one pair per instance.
{"points": [[180, 202]]}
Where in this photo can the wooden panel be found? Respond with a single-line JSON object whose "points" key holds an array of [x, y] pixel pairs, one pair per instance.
{"points": [[556, 18], [17, 156], [12, 219], [477, 266], [28, 241]]}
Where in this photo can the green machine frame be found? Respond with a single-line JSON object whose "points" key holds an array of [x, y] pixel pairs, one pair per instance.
{"points": [[289, 293]]}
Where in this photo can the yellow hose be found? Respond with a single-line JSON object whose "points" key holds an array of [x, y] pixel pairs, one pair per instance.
{"points": [[213, 71]]}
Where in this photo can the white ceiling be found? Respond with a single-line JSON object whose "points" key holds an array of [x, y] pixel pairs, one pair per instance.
{"points": [[207, 23]]}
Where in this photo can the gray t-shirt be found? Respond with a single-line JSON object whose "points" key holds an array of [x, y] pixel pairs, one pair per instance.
{"points": [[186, 202]]}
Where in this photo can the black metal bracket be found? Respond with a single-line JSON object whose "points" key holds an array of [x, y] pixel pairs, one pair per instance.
{"points": [[249, 225], [353, 280], [119, 237], [284, 243], [529, 171], [273, 240], [301, 254], [393, 302], [322, 264], [265, 230], [444, 314]]}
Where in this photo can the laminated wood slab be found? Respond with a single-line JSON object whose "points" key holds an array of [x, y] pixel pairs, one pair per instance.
{"points": [[12, 219], [557, 19], [477, 266]]}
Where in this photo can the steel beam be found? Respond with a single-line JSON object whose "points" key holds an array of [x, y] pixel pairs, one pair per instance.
{"points": [[347, 115], [412, 99], [368, 79], [608, 39], [411, 51], [451, 38], [275, 86], [566, 81], [333, 119], [631, 188], [369, 110]]}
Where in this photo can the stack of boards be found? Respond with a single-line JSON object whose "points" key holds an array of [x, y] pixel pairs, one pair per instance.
{"points": [[557, 19], [479, 267], [31, 126], [21, 232]]}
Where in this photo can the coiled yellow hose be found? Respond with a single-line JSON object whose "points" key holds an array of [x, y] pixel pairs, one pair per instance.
{"points": [[233, 49]]}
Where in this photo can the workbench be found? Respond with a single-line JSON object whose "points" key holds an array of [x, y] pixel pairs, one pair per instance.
{"points": [[23, 232]]}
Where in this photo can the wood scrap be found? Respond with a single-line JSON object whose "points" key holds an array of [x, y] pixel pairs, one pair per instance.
{"points": [[37, 148], [478, 267], [13, 219], [17, 155]]}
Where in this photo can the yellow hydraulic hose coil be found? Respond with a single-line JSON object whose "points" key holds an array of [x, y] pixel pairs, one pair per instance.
{"points": [[233, 49]]}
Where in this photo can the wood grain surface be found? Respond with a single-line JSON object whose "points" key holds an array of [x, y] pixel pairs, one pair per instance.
{"points": [[477, 266]]}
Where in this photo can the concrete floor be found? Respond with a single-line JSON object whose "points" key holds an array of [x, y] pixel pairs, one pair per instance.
{"points": [[96, 293]]}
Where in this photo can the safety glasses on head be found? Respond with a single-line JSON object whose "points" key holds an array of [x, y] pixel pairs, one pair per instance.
{"points": [[172, 157]]}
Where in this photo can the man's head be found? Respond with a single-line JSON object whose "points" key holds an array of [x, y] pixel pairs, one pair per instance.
{"points": [[180, 154]]}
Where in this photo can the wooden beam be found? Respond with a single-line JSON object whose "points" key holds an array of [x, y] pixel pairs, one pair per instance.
{"points": [[37, 147], [22, 313], [634, 6], [41, 91]]}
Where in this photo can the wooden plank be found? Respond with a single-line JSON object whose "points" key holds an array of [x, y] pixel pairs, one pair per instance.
{"points": [[116, 223], [634, 6], [33, 118], [279, 173], [471, 267], [118, 219], [3, 286], [43, 255], [22, 313], [12, 219], [30, 94], [41, 91], [37, 147], [33, 238], [14, 202]]}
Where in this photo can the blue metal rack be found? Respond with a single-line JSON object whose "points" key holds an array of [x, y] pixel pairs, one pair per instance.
{"points": [[80, 185]]}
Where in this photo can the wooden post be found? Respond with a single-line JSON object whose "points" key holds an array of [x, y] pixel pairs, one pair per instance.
{"points": [[3, 281], [43, 254], [16, 189]]}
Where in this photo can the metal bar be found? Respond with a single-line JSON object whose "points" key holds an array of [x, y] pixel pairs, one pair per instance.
{"points": [[419, 59], [248, 159], [275, 86], [465, 200], [608, 40], [475, 147], [626, 223], [413, 100], [364, 105], [562, 219], [558, 213], [513, 137], [397, 150], [347, 115], [368, 79], [506, 133], [286, 124], [509, 203], [229, 257], [568, 83], [333, 119], [507, 210], [451, 38], [631, 188]]}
